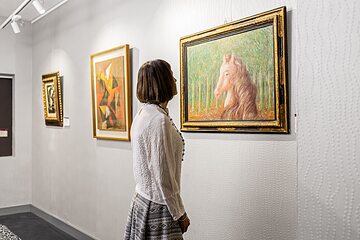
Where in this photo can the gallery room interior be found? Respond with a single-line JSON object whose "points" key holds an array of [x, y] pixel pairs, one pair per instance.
{"points": [[267, 105]]}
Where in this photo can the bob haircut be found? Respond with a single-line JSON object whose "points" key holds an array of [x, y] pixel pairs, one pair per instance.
{"points": [[156, 83]]}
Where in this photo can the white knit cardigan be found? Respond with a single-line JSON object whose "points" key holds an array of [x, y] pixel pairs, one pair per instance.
{"points": [[158, 149]]}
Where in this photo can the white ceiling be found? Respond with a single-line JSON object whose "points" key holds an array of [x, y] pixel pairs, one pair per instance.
{"points": [[7, 7]]}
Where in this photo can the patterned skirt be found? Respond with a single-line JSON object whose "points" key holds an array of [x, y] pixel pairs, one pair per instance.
{"points": [[150, 221]]}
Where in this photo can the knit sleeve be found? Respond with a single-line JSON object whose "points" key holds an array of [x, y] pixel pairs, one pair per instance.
{"points": [[164, 166]]}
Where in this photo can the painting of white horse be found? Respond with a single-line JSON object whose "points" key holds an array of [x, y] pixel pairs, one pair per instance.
{"points": [[234, 77], [241, 92]]}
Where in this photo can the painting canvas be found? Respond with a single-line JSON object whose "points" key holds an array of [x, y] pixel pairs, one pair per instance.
{"points": [[233, 77], [111, 94], [52, 99]]}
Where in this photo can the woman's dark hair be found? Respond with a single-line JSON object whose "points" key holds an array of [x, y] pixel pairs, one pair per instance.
{"points": [[156, 83]]}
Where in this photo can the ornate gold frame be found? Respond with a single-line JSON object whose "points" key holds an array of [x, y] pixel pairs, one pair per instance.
{"points": [[277, 18], [53, 119], [128, 95]]}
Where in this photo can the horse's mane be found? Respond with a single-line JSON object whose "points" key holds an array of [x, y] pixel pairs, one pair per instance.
{"points": [[244, 92]]}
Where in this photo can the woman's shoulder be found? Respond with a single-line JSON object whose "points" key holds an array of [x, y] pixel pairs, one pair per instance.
{"points": [[151, 117]]}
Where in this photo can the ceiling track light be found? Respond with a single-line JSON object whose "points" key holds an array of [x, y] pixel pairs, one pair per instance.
{"points": [[38, 6], [14, 23], [49, 11], [16, 12]]}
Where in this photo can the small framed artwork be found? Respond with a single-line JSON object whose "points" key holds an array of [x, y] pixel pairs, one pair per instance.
{"points": [[111, 93], [53, 108], [234, 76]]}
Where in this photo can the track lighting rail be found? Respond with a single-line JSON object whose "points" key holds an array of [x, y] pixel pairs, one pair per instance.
{"points": [[16, 12], [38, 7]]}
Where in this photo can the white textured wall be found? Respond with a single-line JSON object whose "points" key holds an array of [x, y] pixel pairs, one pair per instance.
{"points": [[329, 118], [235, 186], [15, 171]]}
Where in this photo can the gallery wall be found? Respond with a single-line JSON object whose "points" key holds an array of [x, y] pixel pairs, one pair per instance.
{"points": [[329, 117], [235, 186], [15, 171]]}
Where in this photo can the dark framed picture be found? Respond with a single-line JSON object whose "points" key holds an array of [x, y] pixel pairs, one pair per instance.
{"points": [[53, 109], [234, 76], [111, 93]]}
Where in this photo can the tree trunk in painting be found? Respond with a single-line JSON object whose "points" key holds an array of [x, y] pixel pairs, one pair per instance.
{"points": [[261, 91], [193, 96], [256, 82], [207, 95], [269, 92], [211, 91], [199, 107]]}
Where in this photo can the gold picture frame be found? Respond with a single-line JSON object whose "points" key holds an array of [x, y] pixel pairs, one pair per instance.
{"points": [[52, 99], [234, 76], [111, 94]]}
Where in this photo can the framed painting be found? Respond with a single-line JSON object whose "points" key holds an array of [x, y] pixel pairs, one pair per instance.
{"points": [[111, 93], [53, 109], [234, 77]]}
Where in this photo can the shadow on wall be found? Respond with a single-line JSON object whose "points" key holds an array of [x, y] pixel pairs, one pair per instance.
{"points": [[134, 66]]}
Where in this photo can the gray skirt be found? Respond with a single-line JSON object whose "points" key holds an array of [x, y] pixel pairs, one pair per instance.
{"points": [[150, 221]]}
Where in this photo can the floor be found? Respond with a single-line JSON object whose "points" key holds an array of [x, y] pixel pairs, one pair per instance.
{"points": [[28, 226]]}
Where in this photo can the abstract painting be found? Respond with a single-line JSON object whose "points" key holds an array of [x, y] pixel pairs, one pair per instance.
{"points": [[52, 99], [111, 94], [233, 77]]}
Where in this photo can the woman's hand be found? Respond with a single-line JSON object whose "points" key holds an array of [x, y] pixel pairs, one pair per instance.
{"points": [[184, 222]]}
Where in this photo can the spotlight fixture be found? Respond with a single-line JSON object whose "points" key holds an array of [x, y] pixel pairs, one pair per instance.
{"points": [[14, 23], [38, 6]]}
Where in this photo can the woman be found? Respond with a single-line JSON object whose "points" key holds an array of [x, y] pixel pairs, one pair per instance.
{"points": [[157, 211]]}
